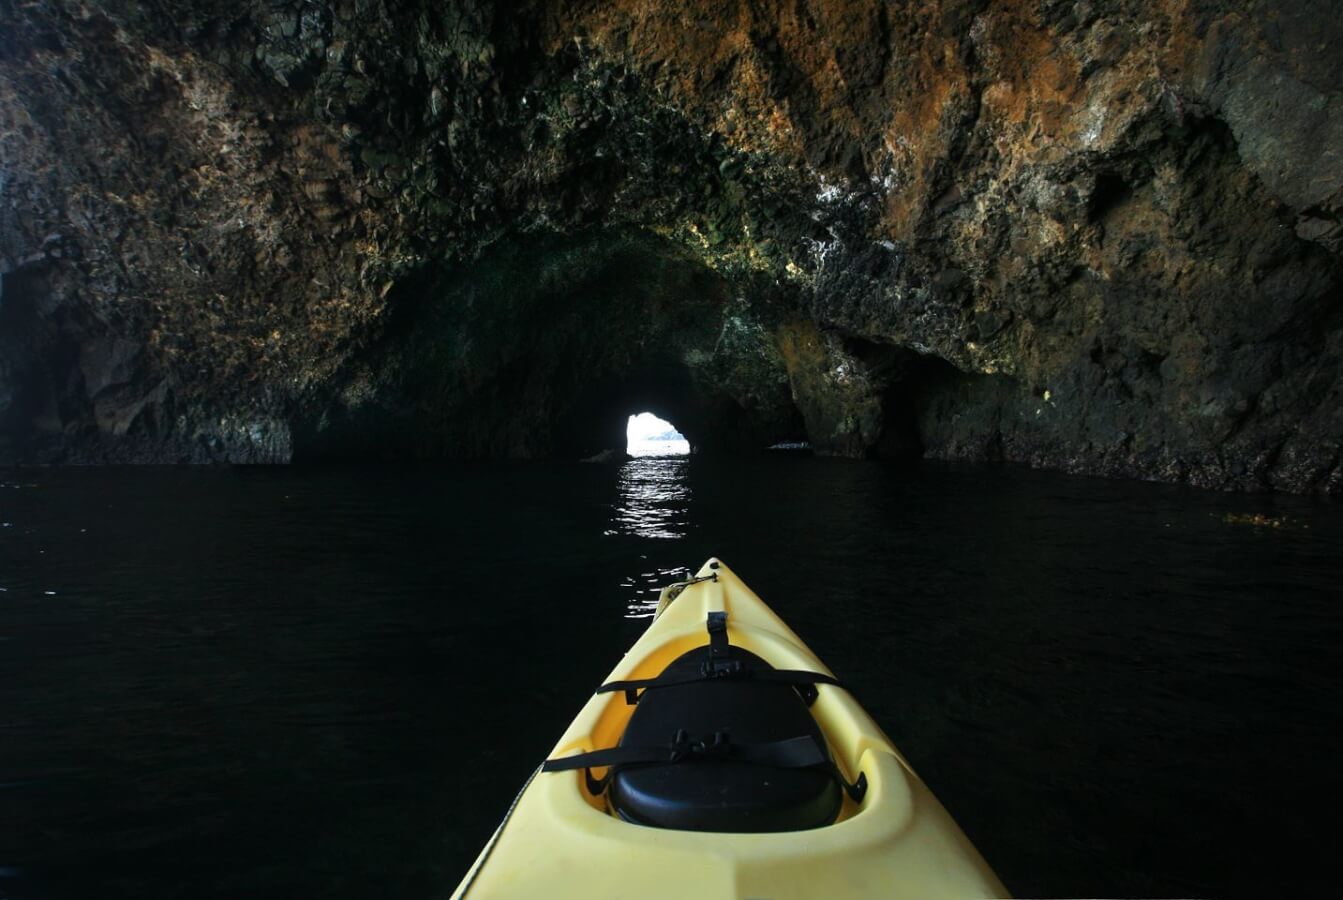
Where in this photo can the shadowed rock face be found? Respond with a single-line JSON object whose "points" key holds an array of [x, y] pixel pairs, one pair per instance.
{"points": [[1097, 236]]}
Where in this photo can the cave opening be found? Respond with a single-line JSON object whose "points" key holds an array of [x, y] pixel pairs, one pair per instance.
{"points": [[648, 435], [545, 347]]}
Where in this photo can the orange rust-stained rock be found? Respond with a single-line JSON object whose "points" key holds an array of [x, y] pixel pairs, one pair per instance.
{"points": [[370, 229]]}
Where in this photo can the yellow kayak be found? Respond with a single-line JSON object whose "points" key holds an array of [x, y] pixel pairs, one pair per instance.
{"points": [[722, 759]]}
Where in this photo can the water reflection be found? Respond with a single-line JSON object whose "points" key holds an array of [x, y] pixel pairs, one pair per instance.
{"points": [[654, 499], [646, 588], [680, 447]]}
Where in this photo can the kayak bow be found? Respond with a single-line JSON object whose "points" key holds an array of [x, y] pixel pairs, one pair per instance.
{"points": [[728, 766]]}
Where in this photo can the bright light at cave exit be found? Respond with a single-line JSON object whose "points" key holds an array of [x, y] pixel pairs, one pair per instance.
{"points": [[647, 435]]}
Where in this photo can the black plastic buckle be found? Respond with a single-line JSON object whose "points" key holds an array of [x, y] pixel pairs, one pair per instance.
{"points": [[683, 748], [721, 668], [721, 748], [720, 662]]}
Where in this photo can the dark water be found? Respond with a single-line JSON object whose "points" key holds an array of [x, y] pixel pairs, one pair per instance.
{"points": [[288, 683]]}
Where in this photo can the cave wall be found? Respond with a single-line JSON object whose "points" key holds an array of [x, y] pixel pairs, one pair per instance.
{"points": [[1097, 236], [544, 347]]}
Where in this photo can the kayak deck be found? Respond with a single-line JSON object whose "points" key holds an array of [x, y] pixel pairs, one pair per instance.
{"points": [[562, 840]]}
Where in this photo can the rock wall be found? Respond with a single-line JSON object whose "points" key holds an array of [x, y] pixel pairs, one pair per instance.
{"points": [[1103, 236]]}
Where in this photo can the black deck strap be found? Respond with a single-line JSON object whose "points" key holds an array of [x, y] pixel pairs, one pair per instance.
{"points": [[793, 753], [717, 627], [721, 661], [799, 678], [722, 665]]}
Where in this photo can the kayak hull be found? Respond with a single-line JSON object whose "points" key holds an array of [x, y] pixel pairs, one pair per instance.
{"points": [[561, 841]]}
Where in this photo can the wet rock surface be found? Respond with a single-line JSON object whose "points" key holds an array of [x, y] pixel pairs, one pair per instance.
{"points": [[1103, 237]]}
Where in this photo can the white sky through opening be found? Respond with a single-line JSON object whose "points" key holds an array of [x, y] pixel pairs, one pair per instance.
{"points": [[647, 435]]}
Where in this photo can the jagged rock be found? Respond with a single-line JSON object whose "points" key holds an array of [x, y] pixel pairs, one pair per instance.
{"points": [[1100, 236]]}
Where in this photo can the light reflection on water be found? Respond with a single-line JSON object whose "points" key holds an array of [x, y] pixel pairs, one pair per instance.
{"points": [[645, 589], [653, 501], [658, 448]]}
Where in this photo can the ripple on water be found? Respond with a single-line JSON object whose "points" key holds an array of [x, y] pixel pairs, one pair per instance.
{"points": [[653, 499], [645, 589]]}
